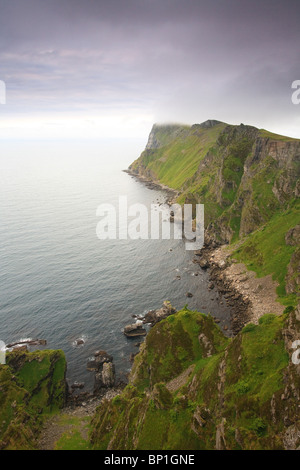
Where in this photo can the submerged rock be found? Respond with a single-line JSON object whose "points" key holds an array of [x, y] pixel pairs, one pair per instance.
{"points": [[79, 342]]}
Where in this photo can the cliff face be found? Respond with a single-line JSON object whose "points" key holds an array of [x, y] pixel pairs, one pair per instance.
{"points": [[247, 179], [192, 388], [242, 174], [32, 385]]}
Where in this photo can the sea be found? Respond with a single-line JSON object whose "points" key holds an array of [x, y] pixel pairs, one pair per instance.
{"points": [[58, 280]]}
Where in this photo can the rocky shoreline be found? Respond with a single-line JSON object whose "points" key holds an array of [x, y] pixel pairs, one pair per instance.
{"points": [[172, 194], [248, 296]]}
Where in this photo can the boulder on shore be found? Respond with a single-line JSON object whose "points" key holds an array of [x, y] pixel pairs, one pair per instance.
{"points": [[28, 342], [105, 378], [136, 329], [21, 347], [108, 374], [155, 316], [99, 358], [77, 385]]}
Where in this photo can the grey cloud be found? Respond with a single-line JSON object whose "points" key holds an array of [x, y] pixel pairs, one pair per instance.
{"points": [[182, 60]]}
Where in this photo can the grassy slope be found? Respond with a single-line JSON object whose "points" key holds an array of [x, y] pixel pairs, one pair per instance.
{"points": [[32, 388], [265, 251], [75, 435], [148, 416], [174, 163]]}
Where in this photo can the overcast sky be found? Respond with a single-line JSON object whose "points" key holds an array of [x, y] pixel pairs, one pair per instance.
{"points": [[103, 68]]}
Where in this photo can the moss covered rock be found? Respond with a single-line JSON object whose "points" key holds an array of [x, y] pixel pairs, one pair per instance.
{"points": [[244, 394], [32, 386]]}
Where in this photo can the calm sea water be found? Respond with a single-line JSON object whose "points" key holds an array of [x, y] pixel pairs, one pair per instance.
{"points": [[58, 281]]}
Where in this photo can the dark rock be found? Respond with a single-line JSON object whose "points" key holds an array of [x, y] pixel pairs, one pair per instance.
{"points": [[93, 365], [105, 378], [292, 237], [132, 356], [77, 385], [30, 342], [189, 294], [150, 316], [204, 264], [79, 341], [133, 330], [100, 358], [154, 316], [108, 374], [21, 347]]}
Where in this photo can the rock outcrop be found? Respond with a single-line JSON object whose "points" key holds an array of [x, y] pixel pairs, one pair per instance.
{"points": [[191, 387], [155, 316], [32, 386], [102, 364], [134, 330]]}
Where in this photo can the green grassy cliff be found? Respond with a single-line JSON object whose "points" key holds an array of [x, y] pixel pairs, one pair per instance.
{"points": [[32, 387], [192, 388], [248, 180]]}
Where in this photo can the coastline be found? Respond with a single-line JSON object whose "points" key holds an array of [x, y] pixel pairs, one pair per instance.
{"points": [[248, 296], [151, 184]]}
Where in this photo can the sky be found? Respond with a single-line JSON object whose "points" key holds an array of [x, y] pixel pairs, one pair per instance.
{"points": [[111, 68]]}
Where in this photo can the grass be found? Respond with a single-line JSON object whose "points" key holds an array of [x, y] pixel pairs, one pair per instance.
{"points": [[176, 162], [173, 346], [264, 358], [265, 251], [32, 388], [254, 364], [76, 436]]}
